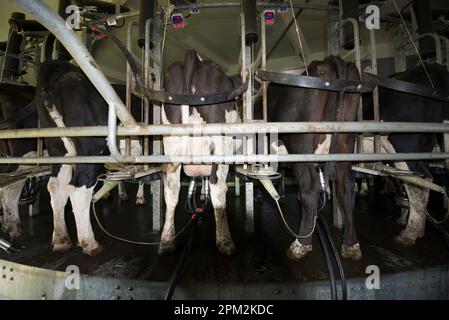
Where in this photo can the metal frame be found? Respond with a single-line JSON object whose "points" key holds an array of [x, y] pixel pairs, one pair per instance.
{"points": [[19, 281]]}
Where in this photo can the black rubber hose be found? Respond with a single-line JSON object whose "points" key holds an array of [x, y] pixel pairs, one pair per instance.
{"points": [[341, 271], [330, 266], [179, 267]]}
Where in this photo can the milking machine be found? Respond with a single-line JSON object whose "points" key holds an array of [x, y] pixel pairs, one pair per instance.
{"points": [[266, 176], [197, 214]]}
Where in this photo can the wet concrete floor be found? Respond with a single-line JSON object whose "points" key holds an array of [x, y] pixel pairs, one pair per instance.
{"points": [[260, 257]]}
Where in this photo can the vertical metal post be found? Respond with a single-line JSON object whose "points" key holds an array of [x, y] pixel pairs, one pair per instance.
{"points": [[376, 90], [156, 185], [247, 76], [400, 59], [129, 77], [263, 48]]}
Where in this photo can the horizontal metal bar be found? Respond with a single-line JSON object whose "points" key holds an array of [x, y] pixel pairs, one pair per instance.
{"points": [[259, 3], [236, 159], [231, 129]]}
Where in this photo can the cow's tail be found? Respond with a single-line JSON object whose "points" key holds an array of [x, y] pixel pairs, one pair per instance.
{"points": [[190, 63], [340, 68]]}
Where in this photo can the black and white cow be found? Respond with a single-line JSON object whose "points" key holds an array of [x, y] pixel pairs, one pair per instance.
{"points": [[402, 107], [292, 104], [72, 100], [200, 77], [13, 98]]}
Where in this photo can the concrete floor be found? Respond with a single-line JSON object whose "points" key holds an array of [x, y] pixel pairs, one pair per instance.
{"points": [[260, 257]]}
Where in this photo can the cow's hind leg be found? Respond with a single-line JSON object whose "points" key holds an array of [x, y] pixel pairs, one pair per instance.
{"points": [[140, 198], [10, 203], [350, 247], [172, 185], [309, 192], [59, 190], [218, 196], [416, 223], [122, 194], [81, 199]]}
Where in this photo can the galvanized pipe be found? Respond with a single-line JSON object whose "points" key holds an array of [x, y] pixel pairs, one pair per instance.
{"points": [[235, 159], [231, 129], [112, 137], [259, 4], [56, 25]]}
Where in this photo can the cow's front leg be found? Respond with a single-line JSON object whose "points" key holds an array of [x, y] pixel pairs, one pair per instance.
{"points": [[81, 199], [10, 203], [172, 185], [218, 196], [416, 223], [59, 190]]}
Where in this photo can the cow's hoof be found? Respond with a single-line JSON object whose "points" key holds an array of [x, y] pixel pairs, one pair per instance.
{"points": [[167, 248], [351, 252], [405, 240], [226, 248], [140, 202], [297, 251], [14, 231], [93, 251], [15, 236], [63, 245]]}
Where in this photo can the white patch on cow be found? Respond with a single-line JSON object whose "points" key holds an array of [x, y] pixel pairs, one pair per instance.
{"points": [[164, 117], [218, 197], [185, 113], [418, 197], [199, 57], [140, 197], [279, 149], [10, 202], [193, 89], [81, 199], [324, 147], [136, 147], [60, 190], [172, 185], [232, 116]]}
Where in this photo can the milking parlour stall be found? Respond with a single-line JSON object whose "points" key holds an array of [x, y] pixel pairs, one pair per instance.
{"points": [[227, 155]]}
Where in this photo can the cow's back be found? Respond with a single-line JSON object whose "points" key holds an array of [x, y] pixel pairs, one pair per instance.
{"points": [[14, 97]]}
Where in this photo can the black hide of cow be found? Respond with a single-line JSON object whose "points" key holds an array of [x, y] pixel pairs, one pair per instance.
{"points": [[401, 107], [293, 104], [14, 97], [79, 103]]}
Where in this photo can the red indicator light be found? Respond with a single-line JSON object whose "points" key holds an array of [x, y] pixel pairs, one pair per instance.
{"points": [[178, 20], [269, 17]]}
